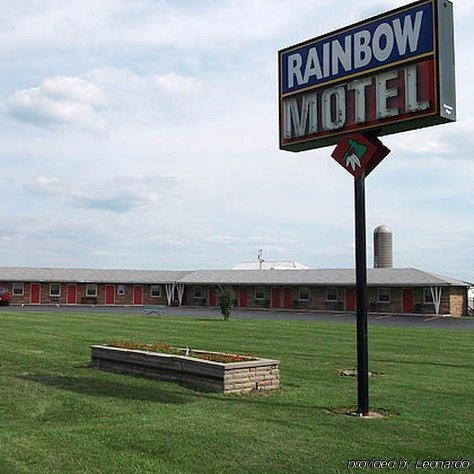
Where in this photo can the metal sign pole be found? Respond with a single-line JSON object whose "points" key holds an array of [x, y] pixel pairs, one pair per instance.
{"points": [[361, 295]]}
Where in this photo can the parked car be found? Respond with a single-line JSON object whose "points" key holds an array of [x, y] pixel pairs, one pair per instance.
{"points": [[5, 296]]}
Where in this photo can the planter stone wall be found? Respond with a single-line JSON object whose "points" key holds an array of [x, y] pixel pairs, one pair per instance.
{"points": [[234, 377]]}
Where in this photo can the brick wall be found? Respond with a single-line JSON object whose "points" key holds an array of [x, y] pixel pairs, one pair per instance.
{"points": [[46, 298], [126, 298], [191, 300], [81, 292], [428, 308], [317, 299], [25, 298], [458, 301], [453, 299], [393, 306], [252, 302], [151, 300]]}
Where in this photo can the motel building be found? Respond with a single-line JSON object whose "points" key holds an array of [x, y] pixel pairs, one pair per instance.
{"points": [[391, 290]]}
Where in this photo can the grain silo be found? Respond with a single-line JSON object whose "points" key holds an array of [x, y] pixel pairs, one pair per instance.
{"points": [[383, 247]]}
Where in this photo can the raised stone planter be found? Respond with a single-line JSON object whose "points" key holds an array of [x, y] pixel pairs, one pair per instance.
{"points": [[233, 377]]}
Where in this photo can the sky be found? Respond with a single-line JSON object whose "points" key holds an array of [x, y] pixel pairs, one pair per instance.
{"points": [[144, 135]]}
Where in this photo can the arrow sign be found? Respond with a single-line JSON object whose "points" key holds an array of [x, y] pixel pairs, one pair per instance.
{"points": [[357, 153]]}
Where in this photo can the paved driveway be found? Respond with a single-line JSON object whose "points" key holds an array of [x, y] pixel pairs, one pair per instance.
{"points": [[413, 321]]}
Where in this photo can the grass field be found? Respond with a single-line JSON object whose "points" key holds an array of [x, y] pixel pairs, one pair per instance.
{"points": [[57, 415]]}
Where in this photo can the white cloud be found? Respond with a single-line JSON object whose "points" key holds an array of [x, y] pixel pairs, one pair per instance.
{"points": [[246, 240], [120, 80], [116, 195], [59, 100], [166, 239], [177, 84], [191, 92], [112, 23], [140, 100]]}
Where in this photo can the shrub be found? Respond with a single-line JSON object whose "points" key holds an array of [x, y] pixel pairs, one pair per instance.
{"points": [[226, 302]]}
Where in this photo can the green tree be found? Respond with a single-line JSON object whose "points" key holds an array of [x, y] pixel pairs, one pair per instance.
{"points": [[226, 302]]}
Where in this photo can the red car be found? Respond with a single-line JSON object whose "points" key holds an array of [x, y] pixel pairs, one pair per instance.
{"points": [[5, 296]]}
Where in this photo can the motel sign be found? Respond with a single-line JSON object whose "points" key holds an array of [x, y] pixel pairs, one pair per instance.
{"points": [[388, 74]]}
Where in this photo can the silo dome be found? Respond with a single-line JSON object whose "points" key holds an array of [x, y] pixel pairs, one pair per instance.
{"points": [[383, 247], [383, 228]]}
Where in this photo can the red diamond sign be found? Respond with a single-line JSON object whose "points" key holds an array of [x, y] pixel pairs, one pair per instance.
{"points": [[357, 153]]}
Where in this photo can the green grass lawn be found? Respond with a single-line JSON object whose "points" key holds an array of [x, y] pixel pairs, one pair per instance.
{"points": [[57, 415]]}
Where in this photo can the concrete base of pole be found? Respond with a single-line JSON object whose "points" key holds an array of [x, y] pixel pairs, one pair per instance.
{"points": [[372, 414]]}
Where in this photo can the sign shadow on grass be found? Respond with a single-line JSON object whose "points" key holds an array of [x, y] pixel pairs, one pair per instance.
{"points": [[107, 388], [418, 362], [90, 386]]}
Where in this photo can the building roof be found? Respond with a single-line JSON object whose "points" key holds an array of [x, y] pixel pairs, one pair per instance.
{"points": [[269, 265], [334, 277], [76, 275], [323, 277]]}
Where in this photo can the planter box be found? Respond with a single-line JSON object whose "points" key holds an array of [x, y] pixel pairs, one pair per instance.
{"points": [[233, 377]]}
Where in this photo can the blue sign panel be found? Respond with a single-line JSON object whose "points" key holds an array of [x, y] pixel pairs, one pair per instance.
{"points": [[378, 43]]}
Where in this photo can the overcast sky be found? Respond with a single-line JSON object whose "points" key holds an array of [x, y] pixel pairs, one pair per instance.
{"points": [[143, 134]]}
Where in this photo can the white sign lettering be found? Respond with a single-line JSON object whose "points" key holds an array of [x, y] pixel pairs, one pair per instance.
{"points": [[300, 115], [356, 50]]}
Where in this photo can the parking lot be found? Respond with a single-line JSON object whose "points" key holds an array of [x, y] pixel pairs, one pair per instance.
{"points": [[184, 311]]}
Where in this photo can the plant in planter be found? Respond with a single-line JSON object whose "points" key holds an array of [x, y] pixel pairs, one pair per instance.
{"points": [[165, 348]]}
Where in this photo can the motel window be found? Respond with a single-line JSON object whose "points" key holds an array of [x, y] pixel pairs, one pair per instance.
{"points": [[427, 296], [55, 289], [384, 295], [17, 289], [259, 294], [303, 293], [120, 290], [155, 291], [331, 294], [91, 289], [198, 292]]}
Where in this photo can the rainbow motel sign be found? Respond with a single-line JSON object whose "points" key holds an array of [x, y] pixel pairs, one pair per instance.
{"points": [[388, 74]]}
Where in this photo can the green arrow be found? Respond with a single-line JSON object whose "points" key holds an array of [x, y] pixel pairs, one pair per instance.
{"points": [[358, 148]]}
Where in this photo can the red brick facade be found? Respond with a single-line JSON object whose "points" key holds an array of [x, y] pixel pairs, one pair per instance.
{"points": [[453, 299], [81, 296], [320, 298]]}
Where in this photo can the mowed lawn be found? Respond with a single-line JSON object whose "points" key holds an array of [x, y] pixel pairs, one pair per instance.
{"points": [[57, 415]]}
